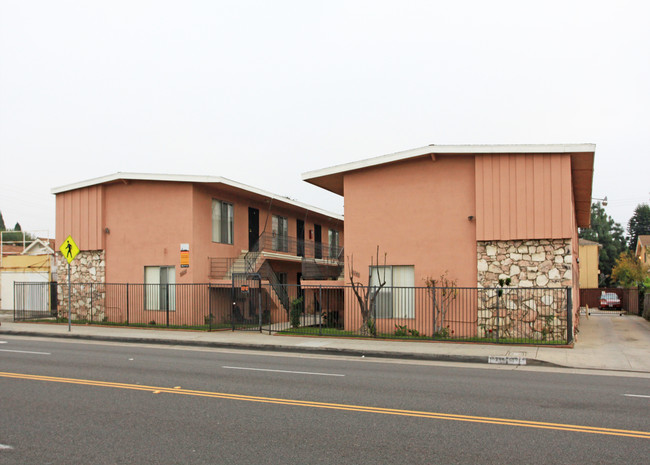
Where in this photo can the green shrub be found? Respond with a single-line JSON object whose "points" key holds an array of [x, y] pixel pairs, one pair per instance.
{"points": [[296, 311]]}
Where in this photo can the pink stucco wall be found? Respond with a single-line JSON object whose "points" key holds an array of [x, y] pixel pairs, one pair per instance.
{"points": [[148, 220], [417, 213]]}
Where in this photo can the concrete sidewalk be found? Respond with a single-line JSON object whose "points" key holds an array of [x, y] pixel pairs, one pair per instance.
{"points": [[606, 341]]}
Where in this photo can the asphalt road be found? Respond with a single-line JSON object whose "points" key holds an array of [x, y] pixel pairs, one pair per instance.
{"points": [[66, 402]]}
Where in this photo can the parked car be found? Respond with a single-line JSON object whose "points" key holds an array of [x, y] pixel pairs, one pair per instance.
{"points": [[609, 300]]}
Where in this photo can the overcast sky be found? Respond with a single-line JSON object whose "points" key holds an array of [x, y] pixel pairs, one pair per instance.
{"points": [[262, 91]]}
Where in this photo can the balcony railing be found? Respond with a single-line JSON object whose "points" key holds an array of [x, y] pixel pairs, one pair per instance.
{"points": [[270, 242]]}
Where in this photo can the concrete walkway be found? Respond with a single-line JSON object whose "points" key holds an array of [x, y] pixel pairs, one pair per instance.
{"points": [[606, 341]]}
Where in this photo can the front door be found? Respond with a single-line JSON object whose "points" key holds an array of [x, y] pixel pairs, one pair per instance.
{"points": [[300, 236], [318, 247], [253, 229]]}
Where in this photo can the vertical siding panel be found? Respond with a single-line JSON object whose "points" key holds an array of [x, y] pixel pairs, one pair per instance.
{"points": [[545, 210], [67, 201], [530, 197], [538, 197], [496, 189], [101, 220], [521, 196], [504, 178], [556, 197], [83, 220], [548, 232], [489, 200], [479, 196], [92, 218], [512, 196], [76, 217], [568, 211]]}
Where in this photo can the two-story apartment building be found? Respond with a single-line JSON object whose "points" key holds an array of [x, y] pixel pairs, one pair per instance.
{"points": [[176, 229], [481, 214]]}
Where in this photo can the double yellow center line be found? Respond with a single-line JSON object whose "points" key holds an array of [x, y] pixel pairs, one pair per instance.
{"points": [[332, 406]]}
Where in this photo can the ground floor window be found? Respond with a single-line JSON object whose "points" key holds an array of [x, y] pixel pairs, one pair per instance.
{"points": [[159, 288], [397, 298]]}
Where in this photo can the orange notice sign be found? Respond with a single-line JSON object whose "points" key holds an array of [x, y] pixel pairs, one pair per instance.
{"points": [[185, 255]]}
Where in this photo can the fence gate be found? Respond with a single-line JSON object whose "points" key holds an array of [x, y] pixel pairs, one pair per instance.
{"points": [[246, 312]]}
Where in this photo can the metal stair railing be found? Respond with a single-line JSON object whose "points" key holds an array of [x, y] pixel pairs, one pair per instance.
{"points": [[266, 272]]}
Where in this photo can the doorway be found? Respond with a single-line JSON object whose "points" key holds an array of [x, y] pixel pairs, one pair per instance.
{"points": [[253, 229]]}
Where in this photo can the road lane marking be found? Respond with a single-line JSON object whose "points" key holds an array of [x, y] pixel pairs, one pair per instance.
{"points": [[25, 352], [283, 371], [636, 395], [4, 446], [345, 407]]}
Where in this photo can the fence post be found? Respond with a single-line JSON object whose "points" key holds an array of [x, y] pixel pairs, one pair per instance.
{"points": [[127, 303], [167, 302], [498, 297], [433, 334], [320, 309], [209, 307], [91, 303], [569, 316]]}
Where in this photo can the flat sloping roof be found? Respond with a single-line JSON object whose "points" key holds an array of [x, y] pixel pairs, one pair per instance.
{"points": [[582, 166], [191, 179]]}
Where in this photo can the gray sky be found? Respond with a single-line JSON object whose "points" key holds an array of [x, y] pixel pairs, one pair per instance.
{"points": [[261, 91]]}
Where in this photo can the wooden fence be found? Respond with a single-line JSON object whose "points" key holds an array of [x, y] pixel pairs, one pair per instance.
{"points": [[629, 298]]}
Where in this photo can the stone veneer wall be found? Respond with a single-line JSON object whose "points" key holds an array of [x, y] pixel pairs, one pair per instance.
{"points": [[540, 270], [88, 302]]}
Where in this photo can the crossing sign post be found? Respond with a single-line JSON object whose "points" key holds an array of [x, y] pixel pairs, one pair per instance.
{"points": [[69, 250]]}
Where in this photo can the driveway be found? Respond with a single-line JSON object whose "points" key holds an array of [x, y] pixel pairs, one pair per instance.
{"points": [[608, 339]]}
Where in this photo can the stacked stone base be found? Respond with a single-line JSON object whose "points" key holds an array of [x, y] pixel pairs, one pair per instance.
{"points": [[88, 292], [534, 304]]}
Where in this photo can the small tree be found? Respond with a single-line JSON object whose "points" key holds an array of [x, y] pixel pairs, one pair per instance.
{"points": [[2, 223], [629, 271], [609, 234], [367, 295], [443, 291], [638, 225], [296, 311]]}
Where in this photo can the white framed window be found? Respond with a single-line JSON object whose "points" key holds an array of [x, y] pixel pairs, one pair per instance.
{"points": [[280, 228], [397, 298], [222, 221], [334, 243], [159, 288]]}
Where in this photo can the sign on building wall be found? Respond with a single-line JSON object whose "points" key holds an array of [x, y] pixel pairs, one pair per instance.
{"points": [[185, 255]]}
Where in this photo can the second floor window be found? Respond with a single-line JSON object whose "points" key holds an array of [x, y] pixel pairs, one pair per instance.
{"points": [[334, 243], [280, 233], [222, 222]]}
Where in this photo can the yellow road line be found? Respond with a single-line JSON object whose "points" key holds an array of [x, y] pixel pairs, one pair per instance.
{"points": [[333, 406]]}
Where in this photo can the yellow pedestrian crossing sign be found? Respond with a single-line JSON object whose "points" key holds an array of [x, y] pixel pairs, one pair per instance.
{"points": [[69, 249]]}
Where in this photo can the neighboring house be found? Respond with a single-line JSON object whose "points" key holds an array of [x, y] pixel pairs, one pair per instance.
{"points": [[589, 252], [34, 264], [643, 249], [175, 229], [478, 212]]}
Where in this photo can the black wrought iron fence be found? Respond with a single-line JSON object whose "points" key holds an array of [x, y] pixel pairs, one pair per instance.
{"points": [[508, 315]]}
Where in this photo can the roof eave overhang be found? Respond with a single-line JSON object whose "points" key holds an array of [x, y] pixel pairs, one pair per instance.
{"points": [[249, 190], [582, 167]]}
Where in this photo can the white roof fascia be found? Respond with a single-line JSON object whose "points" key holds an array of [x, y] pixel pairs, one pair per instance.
{"points": [[191, 179], [449, 149]]}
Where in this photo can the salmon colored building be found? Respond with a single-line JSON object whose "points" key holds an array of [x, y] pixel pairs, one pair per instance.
{"points": [[174, 229], [479, 213]]}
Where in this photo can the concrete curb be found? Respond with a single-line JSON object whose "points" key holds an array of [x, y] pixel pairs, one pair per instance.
{"points": [[281, 348]]}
